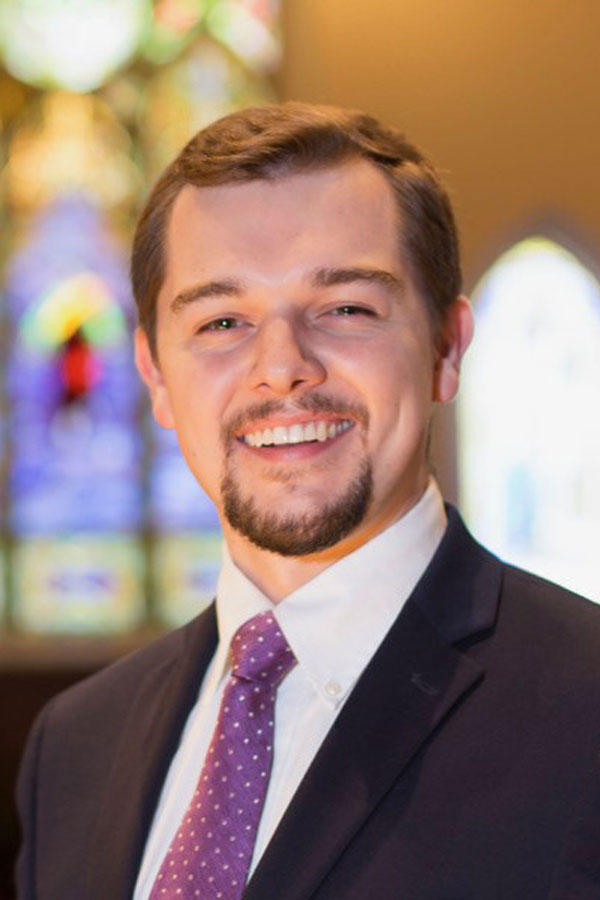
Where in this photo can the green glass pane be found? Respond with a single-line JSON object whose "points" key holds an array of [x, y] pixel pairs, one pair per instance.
{"points": [[207, 82], [3, 604], [78, 585], [185, 571], [174, 24], [249, 29]]}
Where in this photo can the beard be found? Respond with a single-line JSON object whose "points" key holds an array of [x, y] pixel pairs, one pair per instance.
{"points": [[305, 533]]}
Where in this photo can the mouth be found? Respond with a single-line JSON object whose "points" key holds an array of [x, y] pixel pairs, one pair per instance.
{"points": [[316, 431]]}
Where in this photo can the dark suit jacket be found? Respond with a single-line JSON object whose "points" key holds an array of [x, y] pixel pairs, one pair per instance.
{"points": [[464, 766]]}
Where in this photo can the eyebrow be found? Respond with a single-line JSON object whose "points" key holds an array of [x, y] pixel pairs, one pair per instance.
{"points": [[228, 287], [329, 277], [324, 277]]}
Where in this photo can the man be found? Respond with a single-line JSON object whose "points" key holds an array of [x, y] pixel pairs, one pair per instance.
{"points": [[432, 729]]}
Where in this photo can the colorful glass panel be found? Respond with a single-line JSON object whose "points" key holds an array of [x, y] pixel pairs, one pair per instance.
{"points": [[75, 448], [65, 144], [186, 567], [3, 593], [71, 384], [174, 24], [206, 83], [78, 585], [249, 29], [188, 537], [59, 43], [529, 434], [177, 502]]}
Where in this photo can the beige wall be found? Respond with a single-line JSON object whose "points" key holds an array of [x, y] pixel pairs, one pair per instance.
{"points": [[503, 95]]}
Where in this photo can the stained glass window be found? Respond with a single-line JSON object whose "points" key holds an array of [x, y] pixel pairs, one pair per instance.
{"points": [[528, 427], [102, 525]]}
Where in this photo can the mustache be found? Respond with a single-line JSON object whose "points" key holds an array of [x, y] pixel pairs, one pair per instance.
{"points": [[312, 403]]}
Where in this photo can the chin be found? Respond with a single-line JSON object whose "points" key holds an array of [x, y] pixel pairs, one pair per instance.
{"points": [[304, 531]]}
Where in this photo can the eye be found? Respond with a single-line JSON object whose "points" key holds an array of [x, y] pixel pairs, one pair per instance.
{"points": [[351, 309], [223, 323]]}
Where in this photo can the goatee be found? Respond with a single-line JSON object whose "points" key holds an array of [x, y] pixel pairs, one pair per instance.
{"points": [[303, 534]]}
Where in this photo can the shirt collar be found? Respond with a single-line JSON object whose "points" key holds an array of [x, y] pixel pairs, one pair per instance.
{"points": [[356, 599]]}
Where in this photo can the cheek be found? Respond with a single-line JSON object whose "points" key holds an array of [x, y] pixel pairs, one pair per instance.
{"points": [[197, 415], [201, 449], [199, 392], [400, 394]]}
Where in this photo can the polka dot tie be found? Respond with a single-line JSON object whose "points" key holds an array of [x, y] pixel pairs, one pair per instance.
{"points": [[210, 855]]}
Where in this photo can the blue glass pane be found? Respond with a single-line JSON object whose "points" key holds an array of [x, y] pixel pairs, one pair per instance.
{"points": [[72, 388], [177, 502]]}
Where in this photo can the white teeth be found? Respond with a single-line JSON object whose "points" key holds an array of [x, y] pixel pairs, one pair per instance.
{"points": [[310, 432], [297, 433], [321, 431]]}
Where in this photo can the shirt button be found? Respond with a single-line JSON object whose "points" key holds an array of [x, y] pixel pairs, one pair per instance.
{"points": [[332, 688]]}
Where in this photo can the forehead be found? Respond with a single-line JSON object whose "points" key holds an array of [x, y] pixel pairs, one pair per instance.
{"points": [[339, 215]]}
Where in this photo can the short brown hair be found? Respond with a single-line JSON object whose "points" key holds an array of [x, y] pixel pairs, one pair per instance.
{"points": [[272, 141]]}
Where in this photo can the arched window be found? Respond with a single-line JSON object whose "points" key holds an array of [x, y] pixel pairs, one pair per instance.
{"points": [[103, 529], [529, 428]]}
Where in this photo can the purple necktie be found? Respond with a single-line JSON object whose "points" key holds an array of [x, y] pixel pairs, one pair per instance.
{"points": [[210, 855]]}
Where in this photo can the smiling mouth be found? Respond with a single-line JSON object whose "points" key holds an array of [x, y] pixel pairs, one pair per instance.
{"points": [[298, 433]]}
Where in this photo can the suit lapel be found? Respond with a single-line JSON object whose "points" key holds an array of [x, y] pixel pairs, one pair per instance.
{"points": [[148, 743], [411, 685]]}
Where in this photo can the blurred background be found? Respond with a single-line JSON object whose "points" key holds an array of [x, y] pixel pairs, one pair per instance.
{"points": [[105, 539]]}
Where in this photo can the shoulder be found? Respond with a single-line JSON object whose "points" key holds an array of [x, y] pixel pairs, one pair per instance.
{"points": [[521, 620], [558, 629], [77, 734], [111, 692], [557, 605]]}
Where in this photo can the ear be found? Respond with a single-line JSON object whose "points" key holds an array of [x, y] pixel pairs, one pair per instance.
{"points": [[150, 373], [456, 337]]}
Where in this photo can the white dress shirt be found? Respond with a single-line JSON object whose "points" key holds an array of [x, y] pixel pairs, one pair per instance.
{"points": [[334, 624]]}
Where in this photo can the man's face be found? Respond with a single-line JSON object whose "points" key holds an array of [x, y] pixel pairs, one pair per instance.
{"points": [[295, 357]]}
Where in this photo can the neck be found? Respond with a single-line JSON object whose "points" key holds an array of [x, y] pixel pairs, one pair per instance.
{"points": [[274, 575]]}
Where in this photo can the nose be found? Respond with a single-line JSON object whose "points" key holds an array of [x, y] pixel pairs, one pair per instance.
{"points": [[284, 361]]}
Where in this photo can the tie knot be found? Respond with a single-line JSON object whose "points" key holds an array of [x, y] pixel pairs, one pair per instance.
{"points": [[260, 651]]}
